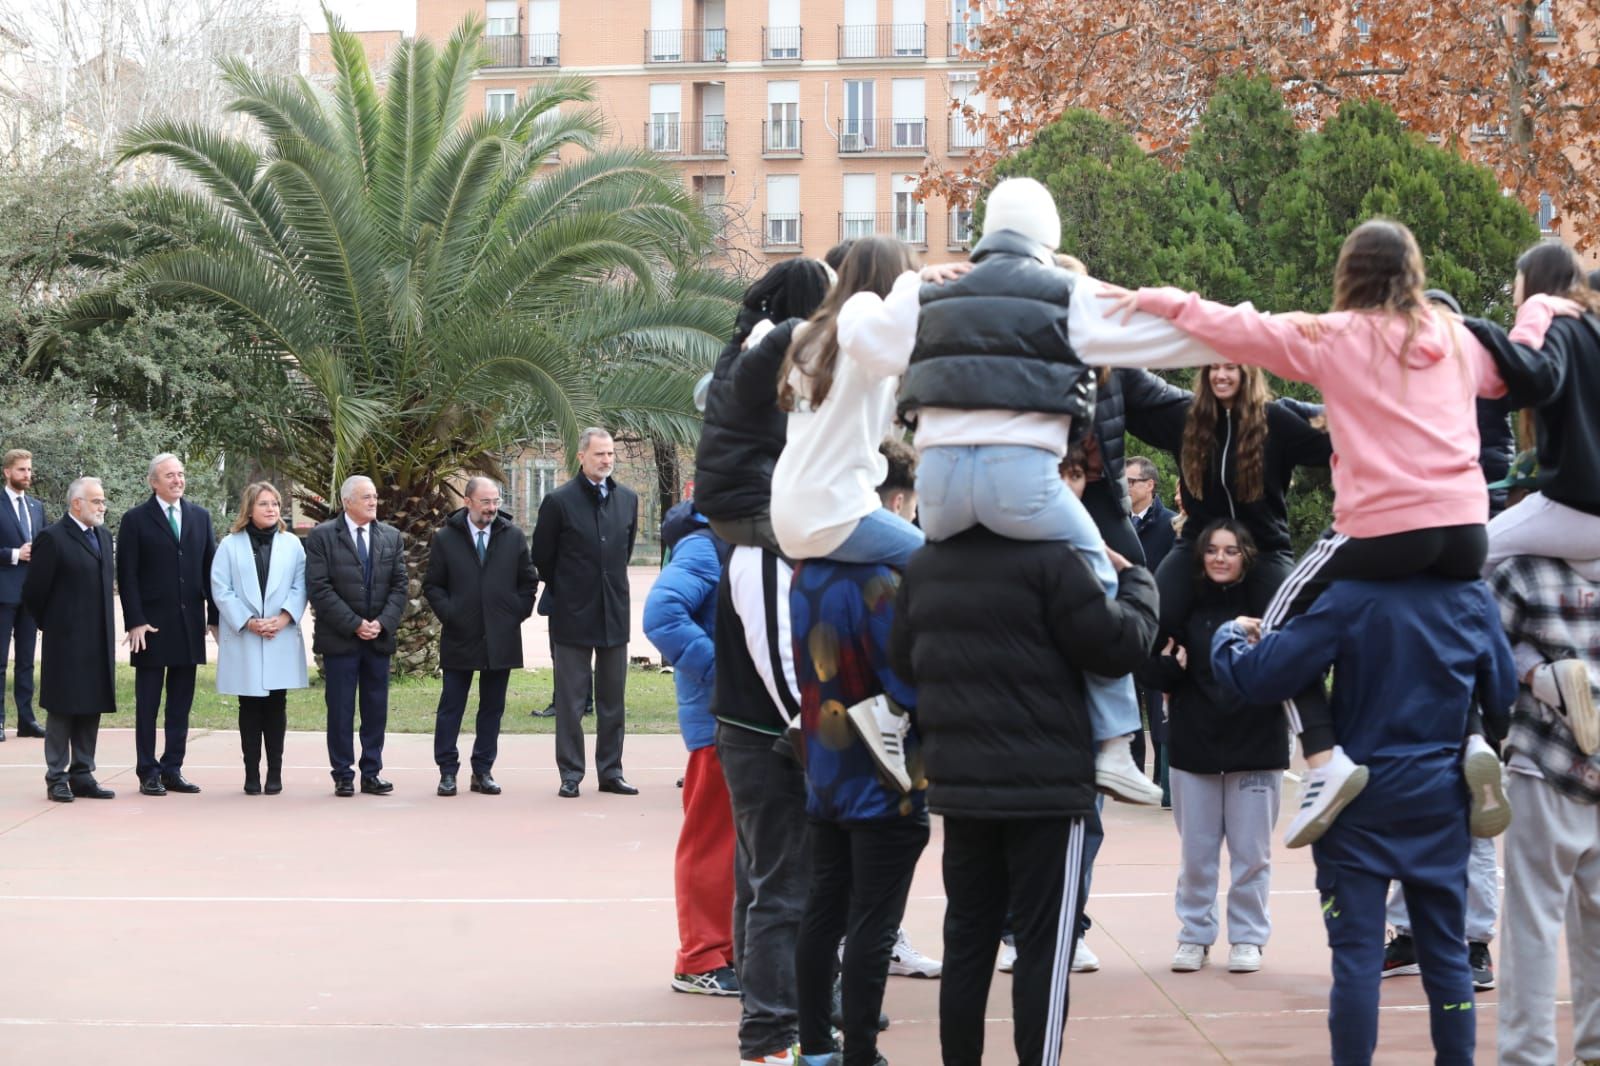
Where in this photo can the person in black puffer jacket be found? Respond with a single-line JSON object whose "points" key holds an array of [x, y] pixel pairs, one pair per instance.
{"points": [[1226, 758], [1497, 444], [996, 635], [744, 431]]}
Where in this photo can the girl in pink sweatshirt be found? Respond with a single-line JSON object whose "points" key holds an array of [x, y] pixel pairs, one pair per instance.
{"points": [[1399, 377]]}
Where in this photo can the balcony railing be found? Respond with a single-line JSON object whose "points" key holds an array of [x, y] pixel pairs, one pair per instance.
{"points": [[686, 46], [901, 40], [908, 226], [523, 50], [959, 236], [782, 137], [902, 135], [780, 44], [964, 137], [671, 137], [962, 38], [780, 231]]}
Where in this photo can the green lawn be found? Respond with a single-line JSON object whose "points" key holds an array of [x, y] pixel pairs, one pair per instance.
{"points": [[652, 704]]}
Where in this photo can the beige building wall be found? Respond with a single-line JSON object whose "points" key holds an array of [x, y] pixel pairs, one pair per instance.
{"points": [[809, 120]]}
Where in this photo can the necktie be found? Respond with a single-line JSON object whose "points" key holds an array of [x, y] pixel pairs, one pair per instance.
{"points": [[172, 519], [94, 541], [483, 546], [362, 554], [22, 519]]}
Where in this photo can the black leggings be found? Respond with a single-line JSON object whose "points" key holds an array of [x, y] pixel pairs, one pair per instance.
{"points": [[1454, 552]]}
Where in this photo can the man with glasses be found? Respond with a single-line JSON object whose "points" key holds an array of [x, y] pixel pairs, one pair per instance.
{"points": [[68, 590], [356, 582], [480, 583]]}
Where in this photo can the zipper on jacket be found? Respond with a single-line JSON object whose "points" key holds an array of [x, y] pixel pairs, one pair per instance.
{"points": [[1227, 445]]}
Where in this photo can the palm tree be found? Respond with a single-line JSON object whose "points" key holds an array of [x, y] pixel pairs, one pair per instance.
{"points": [[432, 289]]}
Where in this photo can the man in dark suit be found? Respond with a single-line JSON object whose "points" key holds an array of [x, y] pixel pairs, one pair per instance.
{"points": [[480, 582], [356, 582], [21, 517], [164, 551], [1153, 522], [68, 589], [581, 547]]}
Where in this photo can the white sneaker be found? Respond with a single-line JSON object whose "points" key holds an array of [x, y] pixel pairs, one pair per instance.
{"points": [[1084, 960], [1008, 957], [907, 961], [1491, 810], [1118, 776], [882, 727], [1574, 701], [1244, 958], [1190, 957], [786, 1057], [1325, 792]]}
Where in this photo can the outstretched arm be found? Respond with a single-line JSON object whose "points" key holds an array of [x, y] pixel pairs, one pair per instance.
{"points": [[1284, 661]]}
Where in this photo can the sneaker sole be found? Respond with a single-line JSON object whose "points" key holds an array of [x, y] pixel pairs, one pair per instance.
{"points": [[1483, 986], [896, 970], [1183, 967], [1491, 811], [1572, 681], [1142, 792], [1312, 831], [1236, 967], [1408, 970], [696, 990]]}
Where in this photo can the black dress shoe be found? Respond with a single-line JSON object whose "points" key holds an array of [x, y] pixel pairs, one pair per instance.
{"points": [[59, 792], [30, 729], [347, 787], [485, 784], [447, 784], [569, 790], [618, 786], [152, 786], [376, 786], [92, 791], [179, 783], [548, 712]]}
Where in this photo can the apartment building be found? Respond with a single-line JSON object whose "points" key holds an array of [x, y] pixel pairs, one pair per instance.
{"points": [[802, 122]]}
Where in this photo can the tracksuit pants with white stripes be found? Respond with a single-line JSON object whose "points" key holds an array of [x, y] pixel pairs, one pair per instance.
{"points": [[1455, 552], [1034, 868]]}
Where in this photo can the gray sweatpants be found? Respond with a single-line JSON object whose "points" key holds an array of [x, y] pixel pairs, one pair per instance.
{"points": [[1242, 809], [1552, 873], [1483, 895]]}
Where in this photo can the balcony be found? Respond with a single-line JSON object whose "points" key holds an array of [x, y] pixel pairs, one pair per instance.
{"points": [[958, 237], [523, 50], [908, 226], [964, 138], [962, 38], [780, 232], [906, 40], [688, 140], [686, 46], [884, 136], [780, 44], [782, 137]]}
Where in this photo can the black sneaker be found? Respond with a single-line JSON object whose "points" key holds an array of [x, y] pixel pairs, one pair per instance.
{"points": [[719, 982], [1482, 965], [836, 1009], [1400, 957]]}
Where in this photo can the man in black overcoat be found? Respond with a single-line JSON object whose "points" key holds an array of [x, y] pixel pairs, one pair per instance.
{"points": [[164, 551], [68, 589], [480, 583], [581, 548]]}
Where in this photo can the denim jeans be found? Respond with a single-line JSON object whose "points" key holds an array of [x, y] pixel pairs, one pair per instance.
{"points": [[880, 537], [1017, 492]]}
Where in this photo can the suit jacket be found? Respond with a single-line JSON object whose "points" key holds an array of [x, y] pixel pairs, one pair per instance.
{"points": [[247, 664], [1155, 532], [339, 594], [581, 547], [482, 605], [68, 591], [165, 581], [12, 575]]}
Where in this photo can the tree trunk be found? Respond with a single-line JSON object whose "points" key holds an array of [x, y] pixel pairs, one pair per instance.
{"points": [[668, 475], [416, 515]]}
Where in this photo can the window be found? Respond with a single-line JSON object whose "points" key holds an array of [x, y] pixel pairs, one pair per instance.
{"points": [[1363, 28], [500, 18], [783, 210], [859, 217], [499, 103], [908, 97], [965, 133], [666, 111], [965, 17], [713, 32], [960, 227], [910, 217], [909, 32], [1544, 20], [858, 37], [1547, 213], [712, 191], [856, 133], [544, 33], [713, 121], [783, 116], [783, 29], [666, 31]]}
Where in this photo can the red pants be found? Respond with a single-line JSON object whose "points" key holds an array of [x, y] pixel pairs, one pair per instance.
{"points": [[703, 870]]}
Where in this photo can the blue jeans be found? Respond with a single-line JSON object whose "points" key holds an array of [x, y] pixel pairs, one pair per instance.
{"points": [[1017, 492], [881, 537]]}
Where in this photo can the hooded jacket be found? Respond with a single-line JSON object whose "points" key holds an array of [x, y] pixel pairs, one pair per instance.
{"points": [[744, 431], [680, 618]]}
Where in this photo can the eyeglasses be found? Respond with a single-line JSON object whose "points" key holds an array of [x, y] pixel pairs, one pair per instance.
{"points": [[1131, 480], [488, 503], [1231, 551]]}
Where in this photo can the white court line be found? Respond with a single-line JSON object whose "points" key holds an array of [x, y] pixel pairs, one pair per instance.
{"points": [[484, 901]]}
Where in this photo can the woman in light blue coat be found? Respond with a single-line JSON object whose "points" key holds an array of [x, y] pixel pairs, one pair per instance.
{"points": [[258, 582]]}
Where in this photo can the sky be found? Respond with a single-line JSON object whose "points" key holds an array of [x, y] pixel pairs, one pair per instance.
{"points": [[364, 14]]}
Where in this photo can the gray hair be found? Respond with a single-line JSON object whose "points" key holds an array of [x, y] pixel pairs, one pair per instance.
{"points": [[1144, 468], [348, 487], [474, 481], [155, 464], [590, 434], [79, 487]]}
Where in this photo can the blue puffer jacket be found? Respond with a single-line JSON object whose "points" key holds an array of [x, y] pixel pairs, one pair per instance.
{"points": [[680, 618]]}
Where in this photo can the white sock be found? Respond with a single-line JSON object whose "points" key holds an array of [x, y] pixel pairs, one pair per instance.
{"points": [[1543, 686], [1476, 744], [1108, 748]]}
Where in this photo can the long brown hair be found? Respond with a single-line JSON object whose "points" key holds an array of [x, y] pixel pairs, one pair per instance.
{"points": [[247, 503], [1250, 428], [1380, 269], [872, 265], [1551, 267]]}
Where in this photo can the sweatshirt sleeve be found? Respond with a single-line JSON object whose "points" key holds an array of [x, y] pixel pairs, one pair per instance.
{"points": [[1145, 340], [1533, 376], [878, 333], [1238, 334], [1284, 661], [1533, 320]]}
